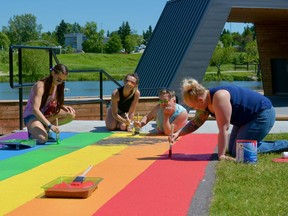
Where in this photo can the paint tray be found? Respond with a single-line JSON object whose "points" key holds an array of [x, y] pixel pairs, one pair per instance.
{"points": [[19, 143], [62, 187]]}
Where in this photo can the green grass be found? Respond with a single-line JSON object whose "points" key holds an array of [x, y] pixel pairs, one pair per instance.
{"points": [[118, 65], [244, 189]]}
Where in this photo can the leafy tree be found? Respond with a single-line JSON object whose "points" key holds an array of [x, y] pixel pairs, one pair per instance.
{"points": [[221, 56], [114, 44], [131, 41], [94, 43], [252, 52], [4, 46], [147, 35], [61, 30], [35, 62], [4, 41], [22, 28], [226, 38], [48, 36], [237, 40]]}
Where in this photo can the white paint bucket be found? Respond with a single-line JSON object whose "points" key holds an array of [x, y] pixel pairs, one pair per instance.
{"points": [[285, 155], [246, 151]]}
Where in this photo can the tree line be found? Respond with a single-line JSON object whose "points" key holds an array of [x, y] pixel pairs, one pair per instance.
{"points": [[235, 48], [232, 48], [23, 29]]}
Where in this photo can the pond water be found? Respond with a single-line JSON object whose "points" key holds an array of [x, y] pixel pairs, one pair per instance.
{"points": [[92, 88]]}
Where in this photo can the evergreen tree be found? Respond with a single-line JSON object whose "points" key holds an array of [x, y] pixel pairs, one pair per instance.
{"points": [[123, 32], [147, 35], [61, 30]]}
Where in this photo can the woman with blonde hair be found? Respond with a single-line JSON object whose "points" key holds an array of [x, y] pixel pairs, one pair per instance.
{"points": [[46, 104], [121, 110], [251, 114]]}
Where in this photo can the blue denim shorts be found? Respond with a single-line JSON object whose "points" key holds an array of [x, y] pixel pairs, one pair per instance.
{"points": [[28, 118]]}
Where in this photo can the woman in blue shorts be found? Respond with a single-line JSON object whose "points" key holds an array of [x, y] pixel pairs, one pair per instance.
{"points": [[251, 114], [46, 104]]}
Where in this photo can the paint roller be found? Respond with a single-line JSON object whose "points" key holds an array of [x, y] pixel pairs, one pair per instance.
{"points": [[170, 143], [80, 179]]}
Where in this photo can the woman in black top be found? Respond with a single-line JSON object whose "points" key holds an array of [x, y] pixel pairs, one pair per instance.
{"points": [[123, 104]]}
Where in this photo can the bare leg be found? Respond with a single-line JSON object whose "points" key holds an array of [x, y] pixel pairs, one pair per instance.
{"points": [[111, 123], [63, 117], [38, 131]]}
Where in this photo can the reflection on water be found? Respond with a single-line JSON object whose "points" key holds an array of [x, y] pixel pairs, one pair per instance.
{"points": [[92, 88]]}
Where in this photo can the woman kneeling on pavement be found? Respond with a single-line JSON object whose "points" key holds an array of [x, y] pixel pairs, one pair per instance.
{"points": [[46, 105], [251, 114]]}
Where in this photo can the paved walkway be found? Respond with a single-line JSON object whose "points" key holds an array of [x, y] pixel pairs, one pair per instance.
{"points": [[201, 200]]}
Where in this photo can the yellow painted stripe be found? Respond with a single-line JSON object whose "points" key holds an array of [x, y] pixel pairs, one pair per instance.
{"points": [[118, 171], [21, 188]]}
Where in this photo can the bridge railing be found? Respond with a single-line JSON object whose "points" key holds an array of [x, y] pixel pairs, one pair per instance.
{"points": [[52, 56]]}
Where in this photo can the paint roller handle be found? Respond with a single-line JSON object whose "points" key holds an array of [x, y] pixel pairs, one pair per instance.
{"points": [[80, 179], [86, 171], [131, 123], [170, 137], [57, 131], [170, 143]]}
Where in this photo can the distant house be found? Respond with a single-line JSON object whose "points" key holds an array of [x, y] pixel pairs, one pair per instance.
{"points": [[75, 40]]}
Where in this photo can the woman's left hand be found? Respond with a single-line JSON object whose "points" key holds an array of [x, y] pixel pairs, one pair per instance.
{"points": [[69, 109]]}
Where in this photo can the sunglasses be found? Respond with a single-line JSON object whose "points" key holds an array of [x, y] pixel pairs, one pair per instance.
{"points": [[163, 101]]}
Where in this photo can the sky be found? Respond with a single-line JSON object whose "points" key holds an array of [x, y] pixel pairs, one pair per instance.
{"points": [[108, 14]]}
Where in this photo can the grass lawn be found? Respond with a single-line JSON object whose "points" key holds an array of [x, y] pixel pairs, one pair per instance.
{"points": [[118, 65], [244, 189]]}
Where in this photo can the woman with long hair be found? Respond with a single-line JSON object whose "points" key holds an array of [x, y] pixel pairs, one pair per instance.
{"points": [[46, 104], [123, 104]]}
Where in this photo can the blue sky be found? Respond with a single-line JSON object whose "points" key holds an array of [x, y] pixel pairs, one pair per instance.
{"points": [[108, 14]]}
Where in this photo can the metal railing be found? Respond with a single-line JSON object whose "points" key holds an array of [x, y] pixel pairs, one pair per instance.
{"points": [[51, 51]]}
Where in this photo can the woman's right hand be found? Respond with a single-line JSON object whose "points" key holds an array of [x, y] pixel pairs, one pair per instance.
{"points": [[55, 129], [226, 158], [173, 137], [137, 124]]}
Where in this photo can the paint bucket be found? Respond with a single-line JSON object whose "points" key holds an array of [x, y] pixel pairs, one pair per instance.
{"points": [[246, 151], [285, 155]]}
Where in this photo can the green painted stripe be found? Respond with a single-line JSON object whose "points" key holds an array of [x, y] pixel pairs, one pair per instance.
{"points": [[16, 165]]}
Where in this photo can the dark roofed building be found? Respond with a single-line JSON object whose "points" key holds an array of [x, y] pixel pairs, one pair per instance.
{"points": [[187, 33]]}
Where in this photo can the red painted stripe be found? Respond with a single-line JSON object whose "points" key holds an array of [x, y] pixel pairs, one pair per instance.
{"points": [[168, 185]]}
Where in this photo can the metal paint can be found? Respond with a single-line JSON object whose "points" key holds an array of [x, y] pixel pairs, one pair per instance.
{"points": [[246, 151]]}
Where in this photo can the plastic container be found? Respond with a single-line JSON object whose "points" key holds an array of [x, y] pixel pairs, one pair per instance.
{"points": [[246, 151], [63, 187]]}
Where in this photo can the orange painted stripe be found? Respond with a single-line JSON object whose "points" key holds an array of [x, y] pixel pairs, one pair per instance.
{"points": [[117, 171]]}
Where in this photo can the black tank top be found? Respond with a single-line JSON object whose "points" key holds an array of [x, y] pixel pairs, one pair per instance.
{"points": [[124, 103]]}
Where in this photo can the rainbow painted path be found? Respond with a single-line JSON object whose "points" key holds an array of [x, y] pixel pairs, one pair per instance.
{"points": [[139, 177]]}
